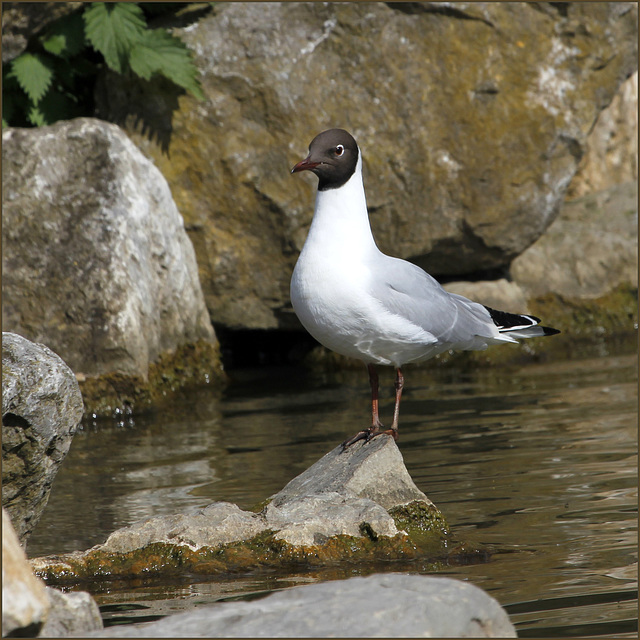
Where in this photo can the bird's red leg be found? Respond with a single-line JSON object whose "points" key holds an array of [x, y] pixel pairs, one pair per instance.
{"points": [[373, 381], [376, 427], [396, 409]]}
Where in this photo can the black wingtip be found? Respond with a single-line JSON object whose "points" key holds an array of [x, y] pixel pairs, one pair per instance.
{"points": [[550, 331]]}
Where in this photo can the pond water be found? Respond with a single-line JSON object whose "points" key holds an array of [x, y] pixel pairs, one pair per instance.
{"points": [[537, 461]]}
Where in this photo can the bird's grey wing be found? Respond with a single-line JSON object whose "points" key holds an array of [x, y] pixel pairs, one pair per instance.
{"points": [[405, 289]]}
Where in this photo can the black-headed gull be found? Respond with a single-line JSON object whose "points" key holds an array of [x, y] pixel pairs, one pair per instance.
{"points": [[364, 304]]}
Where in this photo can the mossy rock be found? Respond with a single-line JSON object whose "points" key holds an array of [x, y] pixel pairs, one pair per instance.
{"points": [[191, 365]]}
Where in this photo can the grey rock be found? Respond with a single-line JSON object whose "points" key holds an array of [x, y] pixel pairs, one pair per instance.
{"points": [[71, 613], [219, 523], [378, 606], [374, 470], [41, 410], [611, 156], [24, 600], [344, 493], [587, 252], [96, 261], [469, 143], [312, 520], [590, 249]]}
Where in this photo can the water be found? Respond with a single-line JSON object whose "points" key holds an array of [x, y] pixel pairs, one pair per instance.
{"points": [[538, 462]]}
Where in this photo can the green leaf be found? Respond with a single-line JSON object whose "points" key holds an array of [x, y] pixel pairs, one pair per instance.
{"points": [[33, 73], [36, 117], [114, 29], [65, 37], [160, 52]]}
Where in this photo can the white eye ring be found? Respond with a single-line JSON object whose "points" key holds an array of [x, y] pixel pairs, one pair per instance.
{"points": [[339, 150]]}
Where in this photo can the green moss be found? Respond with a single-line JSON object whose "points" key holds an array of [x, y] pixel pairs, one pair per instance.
{"points": [[190, 365], [424, 524]]}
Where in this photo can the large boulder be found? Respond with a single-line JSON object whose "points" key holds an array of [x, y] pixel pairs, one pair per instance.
{"points": [[378, 606], [96, 262], [472, 119], [41, 410]]}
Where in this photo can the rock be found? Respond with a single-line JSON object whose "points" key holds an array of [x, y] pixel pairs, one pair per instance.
{"points": [[218, 524], [378, 606], [345, 506], [375, 471], [96, 261], [41, 409], [611, 156], [588, 251], [345, 493], [311, 520], [24, 601], [74, 613], [466, 164]]}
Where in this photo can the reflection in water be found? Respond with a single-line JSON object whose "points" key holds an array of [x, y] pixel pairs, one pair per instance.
{"points": [[538, 462]]}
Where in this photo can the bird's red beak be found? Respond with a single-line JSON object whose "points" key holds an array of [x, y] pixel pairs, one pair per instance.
{"points": [[305, 165]]}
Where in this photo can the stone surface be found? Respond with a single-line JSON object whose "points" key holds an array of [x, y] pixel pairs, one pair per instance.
{"points": [[96, 262], [358, 493], [465, 164], [24, 601], [588, 251], [374, 470], [74, 613], [378, 606], [312, 520], [41, 409], [611, 156], [219, 523]]}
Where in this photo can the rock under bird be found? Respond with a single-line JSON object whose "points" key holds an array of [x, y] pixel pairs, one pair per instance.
{"points": [[364, 304]]}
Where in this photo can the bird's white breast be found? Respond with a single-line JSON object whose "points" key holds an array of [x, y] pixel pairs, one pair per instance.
{"points": [[331, 284]]}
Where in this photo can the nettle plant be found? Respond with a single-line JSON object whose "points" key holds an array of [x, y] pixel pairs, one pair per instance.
{"points": [[53, 78]]}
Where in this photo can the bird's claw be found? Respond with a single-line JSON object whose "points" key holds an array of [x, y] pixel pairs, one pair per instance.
{"points": [[369, 434]]}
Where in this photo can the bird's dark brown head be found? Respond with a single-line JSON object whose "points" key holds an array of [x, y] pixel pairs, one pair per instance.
{"points": [[333, 157]]}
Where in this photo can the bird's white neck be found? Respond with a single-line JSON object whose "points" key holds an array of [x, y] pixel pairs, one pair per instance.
{"points": [[341, 221]]}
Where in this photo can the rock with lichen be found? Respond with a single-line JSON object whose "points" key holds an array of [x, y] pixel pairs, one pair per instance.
{"points": [[472, 119], [354, 505], [97, 264]]}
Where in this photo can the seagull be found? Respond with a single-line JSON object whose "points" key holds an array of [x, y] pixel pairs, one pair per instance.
{"points": [[364, 304]]}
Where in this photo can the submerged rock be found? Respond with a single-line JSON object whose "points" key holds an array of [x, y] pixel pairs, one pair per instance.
{"points": [[97, 264], [378, 606], [345, 507], [41, 409]]}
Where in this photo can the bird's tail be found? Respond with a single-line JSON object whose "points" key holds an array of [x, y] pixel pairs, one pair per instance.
{"points": [[519, 326]]}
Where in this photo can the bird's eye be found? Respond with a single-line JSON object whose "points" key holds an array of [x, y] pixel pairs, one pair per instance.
{"points": [[339, 150]]}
